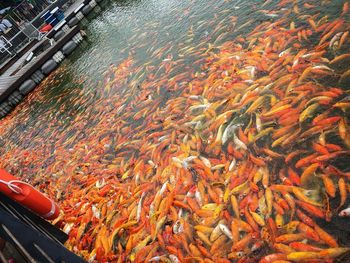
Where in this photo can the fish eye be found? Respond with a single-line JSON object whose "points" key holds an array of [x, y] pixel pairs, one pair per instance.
{"points": [[240, 254]]}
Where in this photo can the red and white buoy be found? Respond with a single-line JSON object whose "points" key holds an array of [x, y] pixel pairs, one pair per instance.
{"points": [[28, 196]]}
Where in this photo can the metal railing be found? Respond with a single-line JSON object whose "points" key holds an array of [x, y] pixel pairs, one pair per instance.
{"points": [[25, 14]]}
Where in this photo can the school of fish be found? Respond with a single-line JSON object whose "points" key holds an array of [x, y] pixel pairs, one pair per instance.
{"points": [[240, 156]]}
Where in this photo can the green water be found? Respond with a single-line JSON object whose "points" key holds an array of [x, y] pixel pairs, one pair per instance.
{"points": [[121, 29], [137, 29]]}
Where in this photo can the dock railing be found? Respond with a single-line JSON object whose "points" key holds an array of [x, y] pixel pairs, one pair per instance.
{"points": [[26, 14]]}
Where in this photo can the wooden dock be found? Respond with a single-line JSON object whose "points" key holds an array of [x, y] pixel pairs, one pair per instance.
{"points": [[13, 78], [52, 48]]}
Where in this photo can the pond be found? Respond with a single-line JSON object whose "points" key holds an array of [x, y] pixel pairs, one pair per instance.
{"points": [[196, 131]]}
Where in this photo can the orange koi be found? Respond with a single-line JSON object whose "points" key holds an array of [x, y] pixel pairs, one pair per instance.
{"points": [[327, 238]]}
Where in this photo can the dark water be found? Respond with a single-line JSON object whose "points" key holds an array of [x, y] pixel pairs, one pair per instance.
{"points": [[147, 58]]}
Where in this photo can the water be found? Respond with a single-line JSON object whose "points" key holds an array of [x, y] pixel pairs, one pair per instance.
{"points": [[147, 100]]}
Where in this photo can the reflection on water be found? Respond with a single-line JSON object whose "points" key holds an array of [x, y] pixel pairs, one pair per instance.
{"points": [[183, 130]]}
